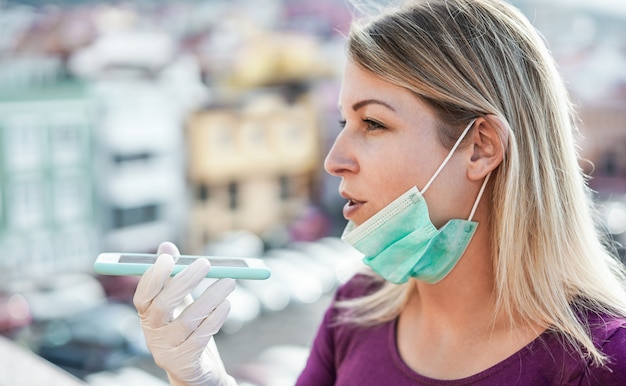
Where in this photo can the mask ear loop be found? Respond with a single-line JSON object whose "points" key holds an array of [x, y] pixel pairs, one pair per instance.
{"points": [[480, 194], [445, 161]]}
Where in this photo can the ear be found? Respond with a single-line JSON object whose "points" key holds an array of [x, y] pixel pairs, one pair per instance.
{"points": [[489, 141]]}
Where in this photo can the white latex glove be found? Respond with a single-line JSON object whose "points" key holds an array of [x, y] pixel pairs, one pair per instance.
{"points": [[183, 346]]}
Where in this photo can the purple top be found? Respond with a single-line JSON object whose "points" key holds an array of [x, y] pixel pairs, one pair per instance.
{"points": [[346, 355]]}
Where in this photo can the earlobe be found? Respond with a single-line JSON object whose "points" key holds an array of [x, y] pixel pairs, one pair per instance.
{"points": [[490, 141]]}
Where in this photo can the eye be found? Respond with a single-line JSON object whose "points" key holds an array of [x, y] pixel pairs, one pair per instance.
{"points": [[342, 123], [373, 125]]}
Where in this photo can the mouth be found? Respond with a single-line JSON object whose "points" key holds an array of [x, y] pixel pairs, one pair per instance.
{"points": [[352, 207], [350, 200]]}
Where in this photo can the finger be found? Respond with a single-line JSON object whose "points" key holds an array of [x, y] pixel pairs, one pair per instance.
{"points": [[201, 337], [162, 308], [198, 311], [168, 248], [152, 282], [213, 295], [212, 323], [187, 300]]}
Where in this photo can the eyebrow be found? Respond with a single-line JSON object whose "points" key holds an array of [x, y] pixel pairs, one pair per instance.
{"points": [[365, 102]]}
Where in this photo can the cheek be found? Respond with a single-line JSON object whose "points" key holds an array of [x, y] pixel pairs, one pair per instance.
{"points": [[391, 183], [396, 167], [402, 173]]}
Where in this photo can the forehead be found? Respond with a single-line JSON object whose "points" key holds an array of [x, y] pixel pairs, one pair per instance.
{"points": [[359, 85], [358, 81]]}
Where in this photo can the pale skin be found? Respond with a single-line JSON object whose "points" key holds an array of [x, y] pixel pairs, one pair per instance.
{"points": [[389, 143]]}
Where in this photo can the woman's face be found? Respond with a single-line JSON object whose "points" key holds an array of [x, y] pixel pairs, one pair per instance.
{"points": [[389, 143]]}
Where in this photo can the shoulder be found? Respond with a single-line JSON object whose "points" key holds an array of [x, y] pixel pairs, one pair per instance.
{"points": [[609, 335], [358, 286], [603, 326]]}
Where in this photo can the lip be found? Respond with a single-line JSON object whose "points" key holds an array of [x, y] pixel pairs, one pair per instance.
{"points": [[351, 207]]}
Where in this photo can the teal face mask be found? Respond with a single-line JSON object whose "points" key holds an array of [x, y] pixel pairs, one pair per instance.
{"points": [[400, 241]]}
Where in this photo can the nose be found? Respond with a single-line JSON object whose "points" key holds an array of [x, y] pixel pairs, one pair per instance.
{"points": [[341, 157]]}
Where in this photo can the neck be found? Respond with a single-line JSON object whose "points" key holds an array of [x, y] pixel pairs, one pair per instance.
{"points": [[466, 295], [465, 300]]}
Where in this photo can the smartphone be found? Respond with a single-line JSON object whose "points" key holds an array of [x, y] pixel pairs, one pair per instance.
{"points": [[135, 264]]}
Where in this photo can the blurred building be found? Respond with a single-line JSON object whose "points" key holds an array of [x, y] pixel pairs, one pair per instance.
{"points": [[144, 91], [47, 221], [604, 128], [588, 41], [123, 126], [255, 152], [253, 167], [139, 170]]}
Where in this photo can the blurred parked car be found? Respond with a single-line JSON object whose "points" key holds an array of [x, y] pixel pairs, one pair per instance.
{"points": [[75, 326], [14, 312], [276, 366]]}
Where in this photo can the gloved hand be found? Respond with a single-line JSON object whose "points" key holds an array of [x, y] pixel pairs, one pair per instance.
{"points": [[183, 345]]}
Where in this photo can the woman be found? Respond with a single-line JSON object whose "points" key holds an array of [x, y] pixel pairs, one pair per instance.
{"points": [[458, 163]]}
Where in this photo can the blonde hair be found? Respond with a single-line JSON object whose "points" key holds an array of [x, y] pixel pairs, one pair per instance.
{"points": [[469, 58]]}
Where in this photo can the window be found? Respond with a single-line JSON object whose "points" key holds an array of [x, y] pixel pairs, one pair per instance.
{"points": [[71, 198], [66, 142], [26, 204], [233, 195], [23, 144], [285, 187], [202, 192], [125, 217], [120, 159]]}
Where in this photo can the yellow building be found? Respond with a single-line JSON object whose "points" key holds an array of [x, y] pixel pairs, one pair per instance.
{"points": [[252, 167]]}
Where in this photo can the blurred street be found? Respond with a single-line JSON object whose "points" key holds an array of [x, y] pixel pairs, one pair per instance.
{"points": [[296, 325]]}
